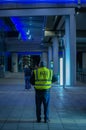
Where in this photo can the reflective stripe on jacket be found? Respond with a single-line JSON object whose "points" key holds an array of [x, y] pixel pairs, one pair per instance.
{"points": [[43, 78]]}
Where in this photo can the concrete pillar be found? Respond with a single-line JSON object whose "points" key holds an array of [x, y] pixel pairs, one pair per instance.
{"points": [[20, 63], [49, 56], [70, 50], [14, 62], [6, 62], [55, 55], [73, 48], [84, 60]]}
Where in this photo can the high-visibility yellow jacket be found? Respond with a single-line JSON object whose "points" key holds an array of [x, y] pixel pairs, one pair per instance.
{"points": [[43, 78]]}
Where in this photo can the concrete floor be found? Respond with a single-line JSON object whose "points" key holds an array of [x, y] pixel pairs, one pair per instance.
{"points": [[17, 107]]}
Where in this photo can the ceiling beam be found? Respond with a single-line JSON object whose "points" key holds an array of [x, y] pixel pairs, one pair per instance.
{"points": [[37, 12], [61, 23]]}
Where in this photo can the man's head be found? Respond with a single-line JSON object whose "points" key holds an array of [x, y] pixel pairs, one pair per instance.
{"points": [[43, 64], [26, 66]]}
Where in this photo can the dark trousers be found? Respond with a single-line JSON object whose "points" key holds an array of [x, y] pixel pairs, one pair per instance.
{"points": [[42, 96], [27, 82]]}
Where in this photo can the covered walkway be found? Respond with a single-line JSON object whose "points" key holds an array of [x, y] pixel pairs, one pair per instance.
{"points": [[17, 107]]}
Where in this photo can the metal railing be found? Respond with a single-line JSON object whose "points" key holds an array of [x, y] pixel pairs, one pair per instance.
{"points": [[81, 75]]}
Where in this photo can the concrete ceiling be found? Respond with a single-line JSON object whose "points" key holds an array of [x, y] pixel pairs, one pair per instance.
{"points": [[37, 31]]}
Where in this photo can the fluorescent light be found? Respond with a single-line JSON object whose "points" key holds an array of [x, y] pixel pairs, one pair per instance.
{"points": [[61, 71], [29, 37], [28, 32]]}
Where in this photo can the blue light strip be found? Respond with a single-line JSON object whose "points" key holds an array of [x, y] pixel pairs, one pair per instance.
{"points": [[39, 1], [18, 26], [29, 53]]}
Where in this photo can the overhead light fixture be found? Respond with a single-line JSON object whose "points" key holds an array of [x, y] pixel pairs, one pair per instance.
{"points": [[78, 9], [29, 37], [43, 29], [77, 12], [30, 24], [28, 32]]}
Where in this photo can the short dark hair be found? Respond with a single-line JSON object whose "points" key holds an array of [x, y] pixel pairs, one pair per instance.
{"points": [[42, 64]]}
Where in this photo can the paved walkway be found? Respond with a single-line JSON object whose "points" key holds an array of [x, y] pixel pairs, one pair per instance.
{"points": [[17, 107]]}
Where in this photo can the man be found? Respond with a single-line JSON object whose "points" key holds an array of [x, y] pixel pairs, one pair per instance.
{"points": [[43, 80], [27, 75]]}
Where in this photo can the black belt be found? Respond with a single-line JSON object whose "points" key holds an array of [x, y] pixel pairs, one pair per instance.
{"points": [[40, 90]]}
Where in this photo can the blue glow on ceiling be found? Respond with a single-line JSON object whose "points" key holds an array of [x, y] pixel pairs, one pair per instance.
{"points": [[39, 1], [18, 26], [27, 31], [83, 1]]}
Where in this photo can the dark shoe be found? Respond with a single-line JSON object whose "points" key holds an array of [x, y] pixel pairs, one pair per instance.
{"points": [[46, 121], [38, 121]]}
